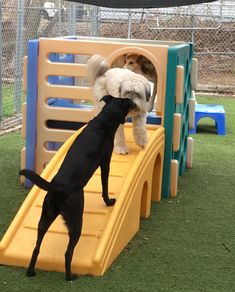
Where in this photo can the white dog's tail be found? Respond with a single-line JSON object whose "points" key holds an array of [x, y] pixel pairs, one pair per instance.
{"points": [[96, 67]]}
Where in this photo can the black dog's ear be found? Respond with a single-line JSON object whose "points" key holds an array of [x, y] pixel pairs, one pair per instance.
{"points": [[107, 98], [130, 105]]}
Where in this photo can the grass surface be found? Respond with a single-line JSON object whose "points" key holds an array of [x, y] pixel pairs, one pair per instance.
{"points": [[187, 244], [8, 103]]}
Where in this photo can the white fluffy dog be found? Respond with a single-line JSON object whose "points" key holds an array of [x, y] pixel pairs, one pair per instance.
{"points": [[124, 83]]}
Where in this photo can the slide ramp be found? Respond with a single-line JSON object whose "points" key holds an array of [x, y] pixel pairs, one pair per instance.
{"points": [[135, 180]]}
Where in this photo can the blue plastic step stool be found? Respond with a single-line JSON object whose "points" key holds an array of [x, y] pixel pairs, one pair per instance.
{"points": [[213, 111]]}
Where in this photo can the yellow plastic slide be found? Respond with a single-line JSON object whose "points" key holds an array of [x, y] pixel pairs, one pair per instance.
{"points": [[134, 180]]}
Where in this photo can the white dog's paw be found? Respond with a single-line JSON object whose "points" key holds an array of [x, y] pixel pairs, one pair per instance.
{"points": [[121, 150], [141, 140]]}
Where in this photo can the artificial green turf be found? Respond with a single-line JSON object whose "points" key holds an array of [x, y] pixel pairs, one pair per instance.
{"points": [[187, 244], [8, 103]]}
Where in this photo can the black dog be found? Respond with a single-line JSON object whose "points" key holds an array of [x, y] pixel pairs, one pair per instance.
{"points": [[65, 196]]}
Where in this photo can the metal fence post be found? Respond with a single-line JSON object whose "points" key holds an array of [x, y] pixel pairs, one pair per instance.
{"points": [[19, 56], [193, 30], [95, 21], [129, 24], [59, 7], [72, 11], [1, 107]]}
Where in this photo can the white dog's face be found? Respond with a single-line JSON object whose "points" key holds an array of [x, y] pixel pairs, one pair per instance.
{"points": [[139, 92]]}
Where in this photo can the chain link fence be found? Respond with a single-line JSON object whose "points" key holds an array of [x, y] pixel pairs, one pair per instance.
{"points": [[211, 27]]}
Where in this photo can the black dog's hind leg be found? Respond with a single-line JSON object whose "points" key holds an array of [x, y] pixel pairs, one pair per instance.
{"points": [[74, 236], [104, 166], [47, 217], [73, 219]]}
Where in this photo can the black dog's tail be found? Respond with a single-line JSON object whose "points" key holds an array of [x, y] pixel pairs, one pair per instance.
{"points": [[41, 182]]}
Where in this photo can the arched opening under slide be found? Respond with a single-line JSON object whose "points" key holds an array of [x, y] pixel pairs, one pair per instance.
{"points": [[144, 200], [156, 179]]}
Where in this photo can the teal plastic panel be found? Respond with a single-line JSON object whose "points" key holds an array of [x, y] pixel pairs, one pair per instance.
{"points": [[177, 55]]}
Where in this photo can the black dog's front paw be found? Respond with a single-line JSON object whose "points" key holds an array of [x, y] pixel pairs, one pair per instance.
{"points": [[71, 277], [30, 273], [110, 202]]}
